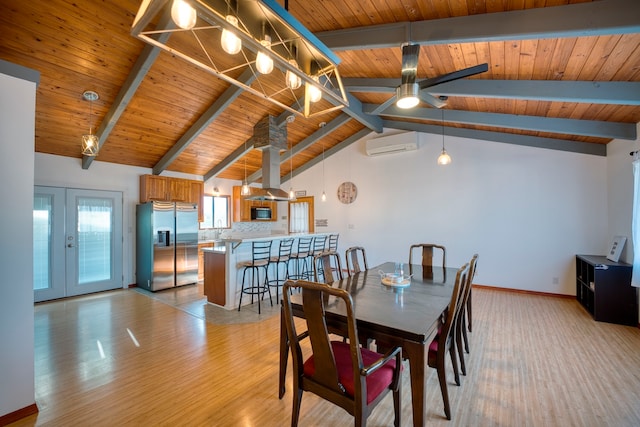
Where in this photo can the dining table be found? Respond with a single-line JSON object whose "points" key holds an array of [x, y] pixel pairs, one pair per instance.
{"points": [[405, 315]]}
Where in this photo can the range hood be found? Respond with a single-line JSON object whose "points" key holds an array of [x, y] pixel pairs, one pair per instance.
{"points": [[271, 139]]}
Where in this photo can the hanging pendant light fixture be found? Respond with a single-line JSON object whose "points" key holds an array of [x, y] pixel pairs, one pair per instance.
{"points": [[264, 63], [183, 14], [292, 194], [324, 194], [229, 40], [444, 158], [90, 142], [315, 94]]}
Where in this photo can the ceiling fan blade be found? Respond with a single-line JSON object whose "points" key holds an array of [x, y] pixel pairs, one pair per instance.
{"points": [[460, 74], [432, 100]]}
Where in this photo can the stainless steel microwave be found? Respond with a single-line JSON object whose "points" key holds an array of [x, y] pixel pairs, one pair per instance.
{"points": [[260, 214]]}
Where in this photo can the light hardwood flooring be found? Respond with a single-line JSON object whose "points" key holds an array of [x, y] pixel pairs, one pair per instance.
{"points": [[132, 358]]}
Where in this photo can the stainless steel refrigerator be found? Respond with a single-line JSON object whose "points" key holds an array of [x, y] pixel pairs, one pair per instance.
{"points": [[166, 245]]}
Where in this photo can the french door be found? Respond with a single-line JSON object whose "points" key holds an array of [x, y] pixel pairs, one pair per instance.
{"points": [[77, 242]]}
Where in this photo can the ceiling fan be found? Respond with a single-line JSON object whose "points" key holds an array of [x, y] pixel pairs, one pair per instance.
{"points": [[410, 93]]}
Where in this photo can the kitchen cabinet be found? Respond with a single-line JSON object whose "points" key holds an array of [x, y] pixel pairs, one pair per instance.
{"points": [[196, 195], [215, 277], [153, 188], [168, 189], [242, 206]]}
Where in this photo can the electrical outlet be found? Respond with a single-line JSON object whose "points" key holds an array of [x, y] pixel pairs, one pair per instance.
{"points": [[351, 226]]}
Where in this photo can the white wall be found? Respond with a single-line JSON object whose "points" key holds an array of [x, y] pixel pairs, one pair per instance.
{"points": [[17, 130], [526, 211]]}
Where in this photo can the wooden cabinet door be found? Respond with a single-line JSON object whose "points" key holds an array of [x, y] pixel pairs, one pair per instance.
{"points": [[180, 190], [196, 195], [241, 206], [153, 187]]}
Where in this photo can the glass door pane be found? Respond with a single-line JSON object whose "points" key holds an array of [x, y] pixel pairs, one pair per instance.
{"points": [[93, 241], [48, 243]]}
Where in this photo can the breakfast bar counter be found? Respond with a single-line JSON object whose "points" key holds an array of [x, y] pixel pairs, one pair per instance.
{"points": [[222, 285]]}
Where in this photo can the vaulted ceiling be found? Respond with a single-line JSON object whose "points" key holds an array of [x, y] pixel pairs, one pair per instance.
{"points": [[562, 74]]}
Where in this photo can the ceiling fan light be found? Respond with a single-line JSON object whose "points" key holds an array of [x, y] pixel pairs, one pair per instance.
{"points": [[264, 63], [407, 95], [230, 42], [444, 158], [293, 81], [183, 14]]}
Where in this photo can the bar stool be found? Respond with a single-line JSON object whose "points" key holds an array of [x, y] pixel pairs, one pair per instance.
{"points": [[317, 248], [301, 256], [332, 247], [260, 255], [283, 257]]}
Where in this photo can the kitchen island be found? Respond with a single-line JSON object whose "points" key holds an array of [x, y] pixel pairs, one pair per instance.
{"points": [[221, 262]]}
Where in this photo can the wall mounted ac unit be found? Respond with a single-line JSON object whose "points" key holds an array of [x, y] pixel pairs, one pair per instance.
{"points": [[407, 141]]}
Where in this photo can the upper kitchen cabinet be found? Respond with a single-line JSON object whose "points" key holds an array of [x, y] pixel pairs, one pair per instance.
{"points": [[167, 189], [153, 188]]}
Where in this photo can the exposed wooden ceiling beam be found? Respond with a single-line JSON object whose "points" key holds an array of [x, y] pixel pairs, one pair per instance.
{"points": [[618, 93], [596, 18], [600, 129], [328, 153], [524, 140]]}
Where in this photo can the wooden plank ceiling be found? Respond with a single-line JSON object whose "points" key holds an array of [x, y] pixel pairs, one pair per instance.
{"points": [[80, 45]]}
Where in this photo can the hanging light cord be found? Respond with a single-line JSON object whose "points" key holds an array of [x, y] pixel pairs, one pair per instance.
{"points": [[442, 123]]}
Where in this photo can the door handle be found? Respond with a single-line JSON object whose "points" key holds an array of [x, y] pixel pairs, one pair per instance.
{"points": [[69, 245]]}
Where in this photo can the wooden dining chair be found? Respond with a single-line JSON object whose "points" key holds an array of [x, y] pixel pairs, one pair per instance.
{"points": [[427, 250], [352, 256], [444, 341], [323, 270], [461, 323], [344, 373]]}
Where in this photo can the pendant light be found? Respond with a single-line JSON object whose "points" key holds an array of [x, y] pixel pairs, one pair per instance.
{"points": [[90, 142], [324, 195], [264, 63], [229, 41], [444, 158], [183, 14], [315, 94], [292, 194], [292, 79]]}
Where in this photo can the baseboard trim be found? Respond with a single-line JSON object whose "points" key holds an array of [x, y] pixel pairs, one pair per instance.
{"points": [[522, 291], [14, 416], [133, 285]]}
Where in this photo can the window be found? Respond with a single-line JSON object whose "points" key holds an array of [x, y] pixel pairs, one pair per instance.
{"points": [[301, 215], [216, 212]]}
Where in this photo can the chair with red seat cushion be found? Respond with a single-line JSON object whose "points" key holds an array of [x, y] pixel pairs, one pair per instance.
{"points": [[444, 341], [352, 377]]}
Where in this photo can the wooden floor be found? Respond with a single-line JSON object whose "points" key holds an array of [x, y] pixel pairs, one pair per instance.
{"points": [[129, 357]]}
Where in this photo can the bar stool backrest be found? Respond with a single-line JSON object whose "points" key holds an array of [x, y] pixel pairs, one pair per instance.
{"points": [[304, 246], [260, 252], [284, 249], [332, 244], [318, 244]]}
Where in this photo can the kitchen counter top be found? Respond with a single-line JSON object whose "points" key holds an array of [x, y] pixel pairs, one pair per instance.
{"points": [[240, 239], [215, 249]]}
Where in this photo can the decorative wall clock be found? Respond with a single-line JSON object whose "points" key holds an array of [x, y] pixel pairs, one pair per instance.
{"points": [[347, 192]]}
